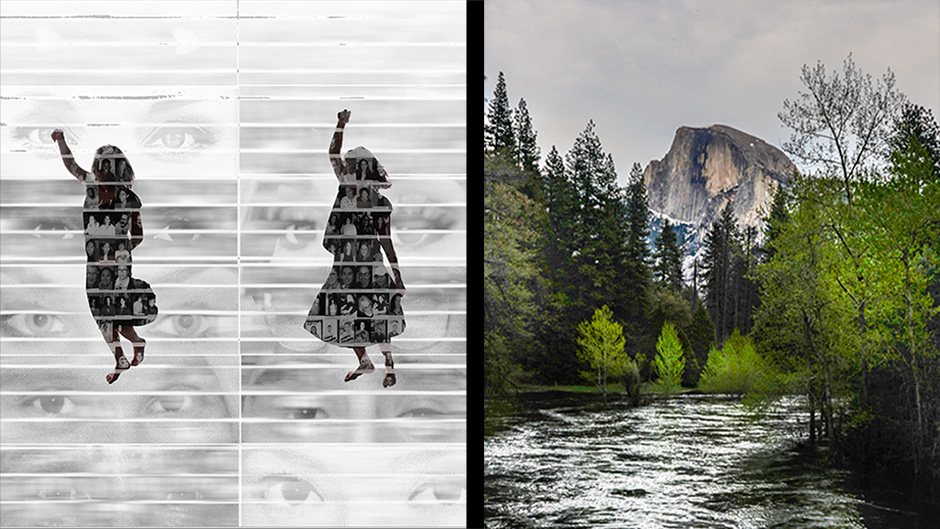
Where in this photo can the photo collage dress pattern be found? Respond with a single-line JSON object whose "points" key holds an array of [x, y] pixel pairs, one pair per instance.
{"points": [[360, 303], [111, 216]]}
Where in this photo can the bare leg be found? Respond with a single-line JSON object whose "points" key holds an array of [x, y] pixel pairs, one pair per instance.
{"points": [[389, 365], [130, 333], [114, 342], [365, 365]]}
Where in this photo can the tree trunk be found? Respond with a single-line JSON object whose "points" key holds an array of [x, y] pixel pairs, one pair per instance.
{"points": [[913, 364], [863, 327], [812, 419]]}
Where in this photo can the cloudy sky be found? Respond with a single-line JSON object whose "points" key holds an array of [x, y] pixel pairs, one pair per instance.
{"points": [[641, 69]]}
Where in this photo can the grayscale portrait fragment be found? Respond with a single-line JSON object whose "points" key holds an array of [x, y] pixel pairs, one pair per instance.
{"points": [[317, 450], [159, 447], [238, 415]]}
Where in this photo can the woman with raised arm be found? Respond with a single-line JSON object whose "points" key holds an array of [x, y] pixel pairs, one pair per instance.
{"points": [[113, 198], [373, 207]]}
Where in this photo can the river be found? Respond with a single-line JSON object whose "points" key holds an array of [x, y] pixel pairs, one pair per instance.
{"points": [[691, 461]]}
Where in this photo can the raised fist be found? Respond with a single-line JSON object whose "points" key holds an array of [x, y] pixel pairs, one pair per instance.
{"points": [[343, 116], [58, 135]]}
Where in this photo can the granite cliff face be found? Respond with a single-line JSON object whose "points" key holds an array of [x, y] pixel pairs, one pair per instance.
{"points": [[708, 168]]}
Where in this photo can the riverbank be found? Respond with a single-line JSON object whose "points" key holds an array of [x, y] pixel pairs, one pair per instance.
{"points": [[647, 388]]}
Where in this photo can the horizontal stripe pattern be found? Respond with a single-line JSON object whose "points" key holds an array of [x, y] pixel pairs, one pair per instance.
{"points": [[237, 417]]}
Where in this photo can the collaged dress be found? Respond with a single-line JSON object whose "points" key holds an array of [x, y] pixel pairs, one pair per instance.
{"points": [[360, 304], [111, 216]]}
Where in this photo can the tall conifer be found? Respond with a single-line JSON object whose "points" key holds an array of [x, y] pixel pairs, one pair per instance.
{"points": [[498, 131]]}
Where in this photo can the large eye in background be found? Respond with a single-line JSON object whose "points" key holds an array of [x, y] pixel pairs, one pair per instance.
{"points": [[177, 142], [40, 136], [51, 405], [291, 490], [421, 413], [28, 325], [183, 325], [170, 404], [307, 413], [441, 491]]}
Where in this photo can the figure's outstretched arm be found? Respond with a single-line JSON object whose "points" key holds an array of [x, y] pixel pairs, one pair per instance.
{"points": [[336, 144], [67, 157]]}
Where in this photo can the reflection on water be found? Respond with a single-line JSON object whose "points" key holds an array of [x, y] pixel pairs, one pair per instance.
{"points": [[690, 461]]}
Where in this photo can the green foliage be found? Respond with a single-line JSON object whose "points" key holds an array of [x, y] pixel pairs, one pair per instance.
{"points": [[736, 368], [601, 345], [670, 361], [510, 274], [849, 283]]}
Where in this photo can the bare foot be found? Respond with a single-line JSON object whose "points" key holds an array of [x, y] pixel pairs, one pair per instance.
{"points": [[365, 367], [389, 380], [122, 365]]}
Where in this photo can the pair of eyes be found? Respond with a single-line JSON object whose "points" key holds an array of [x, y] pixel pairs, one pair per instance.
{"points": [[45, 325], [169, 141], [295, 491], [70, 494], [310, 413], [61, 405]]}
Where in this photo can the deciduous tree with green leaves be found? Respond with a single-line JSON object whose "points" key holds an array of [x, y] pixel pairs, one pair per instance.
{"points": [[670, 361], [510, 274], [601, 345]]}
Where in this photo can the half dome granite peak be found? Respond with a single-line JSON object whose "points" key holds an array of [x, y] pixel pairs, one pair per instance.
{"points": [[706, 168]]}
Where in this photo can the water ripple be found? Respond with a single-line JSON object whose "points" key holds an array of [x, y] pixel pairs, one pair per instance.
{"points": [[689, 462]]}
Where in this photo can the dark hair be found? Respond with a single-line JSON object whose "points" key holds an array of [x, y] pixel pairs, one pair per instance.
{"points": [[110, 152]]}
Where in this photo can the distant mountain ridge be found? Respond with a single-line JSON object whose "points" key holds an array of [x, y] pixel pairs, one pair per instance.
{"points": [[705, 169]]}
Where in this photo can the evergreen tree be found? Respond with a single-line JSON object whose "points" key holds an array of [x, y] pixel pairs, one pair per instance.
{"points": [[668, 255], [597, 227], [636, 274], [718, 270], [527, 149], [774, 222], [498, 131], [559, 241]]}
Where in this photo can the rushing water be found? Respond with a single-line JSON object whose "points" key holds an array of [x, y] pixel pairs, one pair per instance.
{"points": [[689, 461]]}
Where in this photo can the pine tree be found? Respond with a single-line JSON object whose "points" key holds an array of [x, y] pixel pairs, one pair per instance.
{"points": [[718, 267], [498, 132], [668, 255], [636, 274], [558, 242], [773, 223], [527, 149], [598, 233]]}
